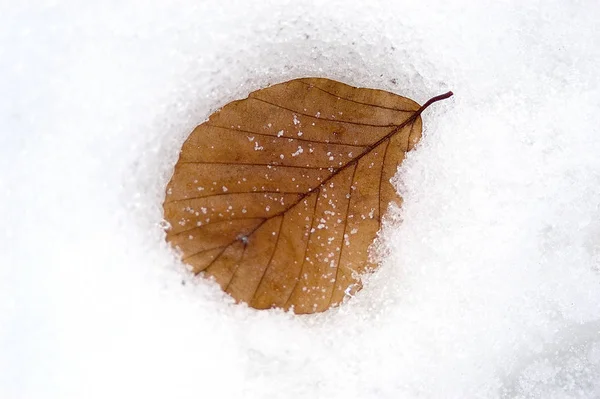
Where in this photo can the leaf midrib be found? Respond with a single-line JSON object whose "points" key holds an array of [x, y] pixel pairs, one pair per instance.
{"points": [[353, 161]]}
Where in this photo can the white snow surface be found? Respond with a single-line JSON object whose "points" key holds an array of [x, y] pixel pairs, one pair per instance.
{"points": [[489, 285]]}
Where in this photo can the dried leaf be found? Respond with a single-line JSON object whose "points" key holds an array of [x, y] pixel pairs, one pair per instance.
{"points": [[279, 196]]}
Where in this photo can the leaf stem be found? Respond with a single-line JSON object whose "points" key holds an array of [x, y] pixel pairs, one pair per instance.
{"points": [[434, 100]]}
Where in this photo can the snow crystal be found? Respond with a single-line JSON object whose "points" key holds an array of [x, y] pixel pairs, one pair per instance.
{"points": [[299, 151], [488, 288]]}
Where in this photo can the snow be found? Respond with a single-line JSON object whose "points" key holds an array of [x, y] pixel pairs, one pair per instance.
{"points": [[490, 286]]}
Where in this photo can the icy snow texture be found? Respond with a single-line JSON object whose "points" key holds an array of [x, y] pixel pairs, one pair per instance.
{"points": [[489, 288]]}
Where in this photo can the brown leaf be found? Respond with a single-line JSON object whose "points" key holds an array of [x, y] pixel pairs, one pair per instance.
{"points": [[279, 196]]}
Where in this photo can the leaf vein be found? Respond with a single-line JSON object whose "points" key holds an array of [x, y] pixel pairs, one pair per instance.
{"points": [[209, 223], [270, 259], [353, 101], [238, 193], [286, 137], [253, 164], [310, 230], [381, 181], [343, 242], [201, 252], [319, 118]]}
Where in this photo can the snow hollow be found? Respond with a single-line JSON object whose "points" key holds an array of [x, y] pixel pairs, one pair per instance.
{"points": [[490, 281]]}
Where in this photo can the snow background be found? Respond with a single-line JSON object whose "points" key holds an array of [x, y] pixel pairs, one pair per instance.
{"points": [[490, 287]]}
